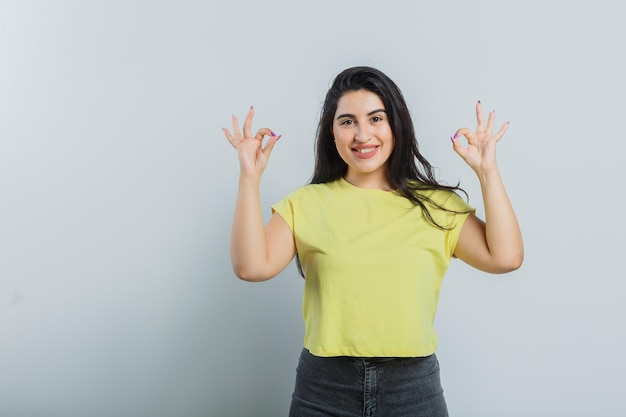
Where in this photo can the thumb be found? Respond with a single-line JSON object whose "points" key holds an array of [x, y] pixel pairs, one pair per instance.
{"points": [[458, 148], [269, 146]]}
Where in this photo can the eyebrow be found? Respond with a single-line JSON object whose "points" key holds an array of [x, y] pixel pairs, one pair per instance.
{"points": [[352, 115]]}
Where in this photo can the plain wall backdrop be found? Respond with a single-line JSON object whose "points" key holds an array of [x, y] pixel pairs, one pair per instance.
{"points": [[117, 189]]}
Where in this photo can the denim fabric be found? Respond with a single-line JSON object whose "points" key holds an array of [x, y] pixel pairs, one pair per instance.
{"points": [[367, 387]]}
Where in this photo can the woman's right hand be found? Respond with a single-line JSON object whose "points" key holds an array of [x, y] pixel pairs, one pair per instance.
{"points": [[253, 156]]}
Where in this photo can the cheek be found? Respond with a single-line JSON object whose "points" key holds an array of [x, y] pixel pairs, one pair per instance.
{"points": [[391, 145], [342, 137]]}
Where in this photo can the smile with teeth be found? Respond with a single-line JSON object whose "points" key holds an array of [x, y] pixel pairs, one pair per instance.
{"points": [[365, 150]]}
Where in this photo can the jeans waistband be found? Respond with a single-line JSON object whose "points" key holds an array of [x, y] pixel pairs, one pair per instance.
{"points": [[377, 359]]}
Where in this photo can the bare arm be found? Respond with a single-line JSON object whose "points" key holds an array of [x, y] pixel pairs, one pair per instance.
{"points": [[494, 245], [257, 253]]}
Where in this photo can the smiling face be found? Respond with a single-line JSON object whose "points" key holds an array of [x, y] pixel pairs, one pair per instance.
{"points": [[363, 138]]}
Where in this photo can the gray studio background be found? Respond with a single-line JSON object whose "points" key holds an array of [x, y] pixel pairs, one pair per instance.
{"points": [[117, 188]]}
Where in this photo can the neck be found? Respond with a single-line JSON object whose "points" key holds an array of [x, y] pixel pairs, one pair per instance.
{"points": [[373, 182]]}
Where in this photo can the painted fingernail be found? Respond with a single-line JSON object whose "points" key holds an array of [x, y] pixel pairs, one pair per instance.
{"points": [[456, 135], [478, 101], [452, 139], [280, 136], [272, 132]]}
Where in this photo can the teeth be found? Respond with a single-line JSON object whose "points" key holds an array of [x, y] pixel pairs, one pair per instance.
{"points": [[365, 150]]}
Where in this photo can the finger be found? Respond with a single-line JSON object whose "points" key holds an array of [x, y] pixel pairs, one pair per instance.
{"points": [[465, 132], [480, 123], [247, 125], [227, 134], [490, 120], [230, 137], [502, 131], [236, 131], [261, 133]]}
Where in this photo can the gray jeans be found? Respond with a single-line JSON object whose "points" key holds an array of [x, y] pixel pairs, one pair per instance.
{"points": [[367, 387]]}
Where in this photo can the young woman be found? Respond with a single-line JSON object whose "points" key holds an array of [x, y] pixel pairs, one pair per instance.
{"points": [[373, 233]]}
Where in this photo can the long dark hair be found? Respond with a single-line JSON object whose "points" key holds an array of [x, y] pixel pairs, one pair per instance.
{"points": [[409, 173]]}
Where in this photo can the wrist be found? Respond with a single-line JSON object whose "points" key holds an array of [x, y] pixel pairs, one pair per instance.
{"points": [[248, 179], [489, 174]]}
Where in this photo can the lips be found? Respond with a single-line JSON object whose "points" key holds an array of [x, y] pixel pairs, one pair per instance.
{"points": [[365, 152]]}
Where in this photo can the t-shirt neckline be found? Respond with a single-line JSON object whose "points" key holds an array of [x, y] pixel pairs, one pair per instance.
{"points": [[344, 182]]}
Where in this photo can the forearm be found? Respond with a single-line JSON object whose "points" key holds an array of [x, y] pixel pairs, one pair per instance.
{"points": [[248, 248], [503, 235]]}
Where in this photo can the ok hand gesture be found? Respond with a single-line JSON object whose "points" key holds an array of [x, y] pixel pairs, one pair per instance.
{"points": [[480, 154], [253, 156]]}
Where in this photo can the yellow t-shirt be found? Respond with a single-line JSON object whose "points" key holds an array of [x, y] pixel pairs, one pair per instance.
{"points": [[373, 266]]}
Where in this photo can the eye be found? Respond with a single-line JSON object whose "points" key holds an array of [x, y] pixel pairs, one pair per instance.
{"points": [[346, 122], [377, 119]]}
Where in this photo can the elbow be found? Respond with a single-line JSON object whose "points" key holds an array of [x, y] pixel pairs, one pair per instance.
{"points": [[510, 264], [513, 266], [249, 274]]}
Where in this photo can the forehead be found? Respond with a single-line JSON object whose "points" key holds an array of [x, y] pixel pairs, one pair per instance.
{"points": [[360, 101]]}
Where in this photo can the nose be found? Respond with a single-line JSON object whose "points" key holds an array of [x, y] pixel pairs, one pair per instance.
{"points": [[362, 134]]}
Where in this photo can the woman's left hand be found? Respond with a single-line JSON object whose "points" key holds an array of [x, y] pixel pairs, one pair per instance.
{"points": [[480, 153]]}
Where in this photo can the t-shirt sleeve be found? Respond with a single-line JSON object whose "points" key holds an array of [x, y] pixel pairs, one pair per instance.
{"points": [[455, 219], [285, 209]]}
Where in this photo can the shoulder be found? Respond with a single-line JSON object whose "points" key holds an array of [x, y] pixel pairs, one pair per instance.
{"points": [[439, 197], [307, 195], [306, 202], [311, 190], [450, 200]]}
